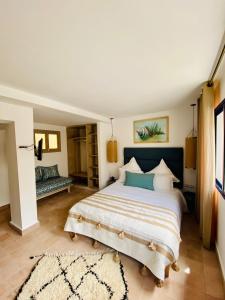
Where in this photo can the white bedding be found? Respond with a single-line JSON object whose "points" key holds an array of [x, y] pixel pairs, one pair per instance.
{"points": [[141, 223]]}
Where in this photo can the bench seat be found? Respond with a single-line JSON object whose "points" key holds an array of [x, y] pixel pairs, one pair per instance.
{"points": [[43, 188]]}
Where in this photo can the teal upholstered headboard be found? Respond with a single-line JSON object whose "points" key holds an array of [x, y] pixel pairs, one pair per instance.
{"points": [[149, 158]]}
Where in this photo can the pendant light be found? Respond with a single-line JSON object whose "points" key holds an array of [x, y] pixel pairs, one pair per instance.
{"points": [[191, 145], [112, 147]]}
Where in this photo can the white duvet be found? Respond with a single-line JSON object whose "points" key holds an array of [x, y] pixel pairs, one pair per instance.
{"points": [[141, 223]]}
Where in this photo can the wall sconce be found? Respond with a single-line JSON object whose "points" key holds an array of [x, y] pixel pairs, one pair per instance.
{"points": [[111, 147], [191, 146]]}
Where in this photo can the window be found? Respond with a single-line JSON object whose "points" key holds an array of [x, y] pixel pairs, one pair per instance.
{"points": [[220, 132], [51, 140]]}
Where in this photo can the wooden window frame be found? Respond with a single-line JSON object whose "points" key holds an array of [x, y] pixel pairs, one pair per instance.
{"points": [[220, 186], [46, 133]]}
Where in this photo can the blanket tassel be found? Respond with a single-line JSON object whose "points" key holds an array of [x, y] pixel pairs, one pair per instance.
{"points": [[167, 271], [159, 282], [175, 267], [116, 257]]}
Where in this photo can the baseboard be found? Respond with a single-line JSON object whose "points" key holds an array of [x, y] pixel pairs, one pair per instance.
{"points": [[4, 207], [222, 268], [24, 231]]}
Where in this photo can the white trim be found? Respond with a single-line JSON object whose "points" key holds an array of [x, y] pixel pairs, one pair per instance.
{"points": [[15, 226], [24, 230], [222, 267], [32, 99]]}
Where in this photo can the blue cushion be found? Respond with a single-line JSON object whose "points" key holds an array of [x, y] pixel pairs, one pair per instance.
{"points": [[52, 184], [50, 172], [38, 174], [144, 181]]}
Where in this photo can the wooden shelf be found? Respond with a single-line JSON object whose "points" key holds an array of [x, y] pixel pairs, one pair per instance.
{"points": [[83, 154], [80, 174], [77, 139]]}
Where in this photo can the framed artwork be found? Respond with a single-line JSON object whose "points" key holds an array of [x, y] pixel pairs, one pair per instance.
{"points": [[154, 130]]}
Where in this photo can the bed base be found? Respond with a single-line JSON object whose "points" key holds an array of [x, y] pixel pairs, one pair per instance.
{"points": [[68, 188], [144, 271]]}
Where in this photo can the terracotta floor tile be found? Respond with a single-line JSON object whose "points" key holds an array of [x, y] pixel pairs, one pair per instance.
{"points": [[212, 298], [210, 258], [199, 276], [213, 281]]}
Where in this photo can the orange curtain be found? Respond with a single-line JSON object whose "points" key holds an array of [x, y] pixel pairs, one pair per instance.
{"points": [[217, 100], [206, 164]]}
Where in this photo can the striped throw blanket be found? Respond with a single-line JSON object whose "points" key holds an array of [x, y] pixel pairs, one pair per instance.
{"points": [[152, 225]]}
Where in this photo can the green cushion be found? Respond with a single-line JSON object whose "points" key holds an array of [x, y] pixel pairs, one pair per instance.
{"points": [[38, 174], [50, 172], [144, 181]]}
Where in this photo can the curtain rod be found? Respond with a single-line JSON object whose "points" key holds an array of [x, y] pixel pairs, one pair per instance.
{"points": [[210, 82]]}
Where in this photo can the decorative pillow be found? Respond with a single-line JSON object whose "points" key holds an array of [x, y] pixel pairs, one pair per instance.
{"points": [[38, 174], [50, 172], [132, 166], [144, 181], [163, 182], [163, 169]]}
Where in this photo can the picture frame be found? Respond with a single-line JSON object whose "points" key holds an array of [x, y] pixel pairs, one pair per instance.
{"points": [[152, 130]]}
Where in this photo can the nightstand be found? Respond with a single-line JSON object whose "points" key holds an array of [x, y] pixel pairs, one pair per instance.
{"points": [[190, 199], [111, 180]]}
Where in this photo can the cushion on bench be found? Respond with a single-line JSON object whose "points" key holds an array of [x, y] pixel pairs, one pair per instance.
{"points": [[52, 184]]}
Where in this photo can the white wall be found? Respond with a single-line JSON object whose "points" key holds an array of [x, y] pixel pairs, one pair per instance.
{"points": [[53, 158], [180, 124], [221, 201], [4, 182], [23, 204]]}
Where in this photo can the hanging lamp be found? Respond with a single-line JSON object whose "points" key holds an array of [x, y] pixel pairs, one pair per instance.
{"points": [[191, 145], [112, 147]]}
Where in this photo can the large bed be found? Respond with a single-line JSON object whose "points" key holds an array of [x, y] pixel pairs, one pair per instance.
{"points": [[141, 223]]}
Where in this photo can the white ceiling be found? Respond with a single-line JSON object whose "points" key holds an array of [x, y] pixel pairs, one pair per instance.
{"points": [[115, 57]]}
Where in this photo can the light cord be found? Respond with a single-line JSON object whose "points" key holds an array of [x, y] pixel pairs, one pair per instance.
{"points": [[111, 119]]}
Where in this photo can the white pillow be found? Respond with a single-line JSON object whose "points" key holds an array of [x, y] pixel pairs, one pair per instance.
{"points": [[132, 166], [163, 169], [163, 182]]}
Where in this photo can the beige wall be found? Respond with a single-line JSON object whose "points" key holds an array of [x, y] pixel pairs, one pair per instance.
{"points": [[180, 125], [23, 203], [4, 182], [59, 158], [221, 203]]}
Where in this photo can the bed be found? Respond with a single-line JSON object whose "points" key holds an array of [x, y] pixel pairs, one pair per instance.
{"points": [[140, 223]]}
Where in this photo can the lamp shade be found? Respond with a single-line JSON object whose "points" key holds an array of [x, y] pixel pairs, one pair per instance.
{"points": [[190, 152], [112, 151]]}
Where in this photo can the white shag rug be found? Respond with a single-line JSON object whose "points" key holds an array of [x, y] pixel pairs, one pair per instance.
{"points": [[93, 276]]}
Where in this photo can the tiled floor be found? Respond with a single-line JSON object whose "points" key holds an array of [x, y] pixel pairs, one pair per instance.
{"points": [[199, 277]]}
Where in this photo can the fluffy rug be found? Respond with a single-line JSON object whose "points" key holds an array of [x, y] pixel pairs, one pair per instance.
{"points": [[76, 277]]}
